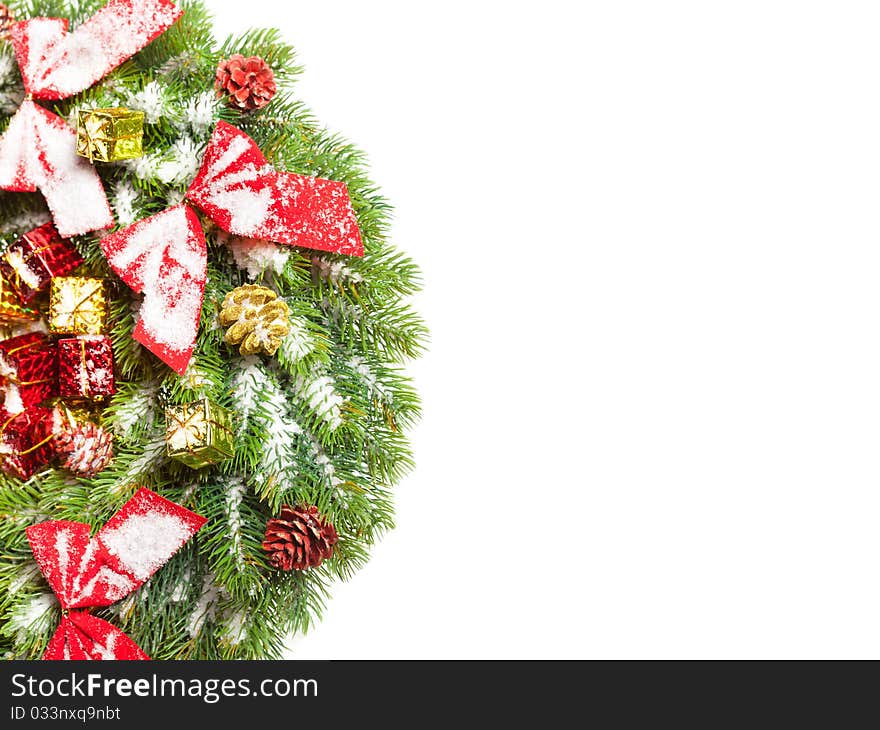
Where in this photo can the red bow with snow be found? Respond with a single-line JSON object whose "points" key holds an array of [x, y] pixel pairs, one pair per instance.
{"points": [[165, 256], [92, 572], [38, 150]]}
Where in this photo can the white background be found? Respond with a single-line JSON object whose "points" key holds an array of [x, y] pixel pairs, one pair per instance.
{"points": [[651, 240]]}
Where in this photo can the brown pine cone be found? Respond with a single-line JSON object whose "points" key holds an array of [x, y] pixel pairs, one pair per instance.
{"points": [[6, 21], [248, 82], [299, 538], [85, 449]]}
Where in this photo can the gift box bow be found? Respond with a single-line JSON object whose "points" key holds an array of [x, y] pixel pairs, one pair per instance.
{"points": [[189, 431], [165, 256], [38, 150], [90, 572]]}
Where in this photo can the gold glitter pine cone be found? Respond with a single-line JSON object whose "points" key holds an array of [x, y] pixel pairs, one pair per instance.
{"points": [[257, 319]]}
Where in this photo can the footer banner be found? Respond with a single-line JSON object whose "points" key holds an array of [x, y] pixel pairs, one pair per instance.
{"points": [[122, 693]]}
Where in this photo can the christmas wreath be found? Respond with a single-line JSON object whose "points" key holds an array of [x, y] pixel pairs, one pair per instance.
{"points": [[202, 332]]}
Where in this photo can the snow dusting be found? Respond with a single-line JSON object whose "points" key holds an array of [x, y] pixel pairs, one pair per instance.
{"points": [[181, 587], [201, 112], [62, 550], [322, 398], [376, 388], [151, 101], [185, 63], [263, 405], [11, 100], [235, 626], [153, 456], [280, 446], [143, 168], [143, 543], [206, 607], [27, 573], [124, 202], [25, 221], [7, 69], [179, 164], [248, 210], [30, 613], [335, 271], [235, 491], [256, 257], [247, 384], [139, 407], [298, 343]]}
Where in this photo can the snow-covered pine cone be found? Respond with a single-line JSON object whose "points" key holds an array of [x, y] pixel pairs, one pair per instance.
{"points": [[84, 448], [257, 319], [247, 82], [299, 538]]}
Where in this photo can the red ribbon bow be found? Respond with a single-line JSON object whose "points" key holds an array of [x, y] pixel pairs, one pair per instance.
{"points": [[38, 150], [90, 573], [165, 256]]}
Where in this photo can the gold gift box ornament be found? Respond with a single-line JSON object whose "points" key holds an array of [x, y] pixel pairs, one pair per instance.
{"points": [[110, 135], [199, 434], [77, 306]]}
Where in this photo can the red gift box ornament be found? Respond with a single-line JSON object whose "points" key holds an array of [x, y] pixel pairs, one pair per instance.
{"points": [[38, 149], [25, 441], [86, 572], [28, 374], [30, 263], [165, 256], [85, 367]]}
